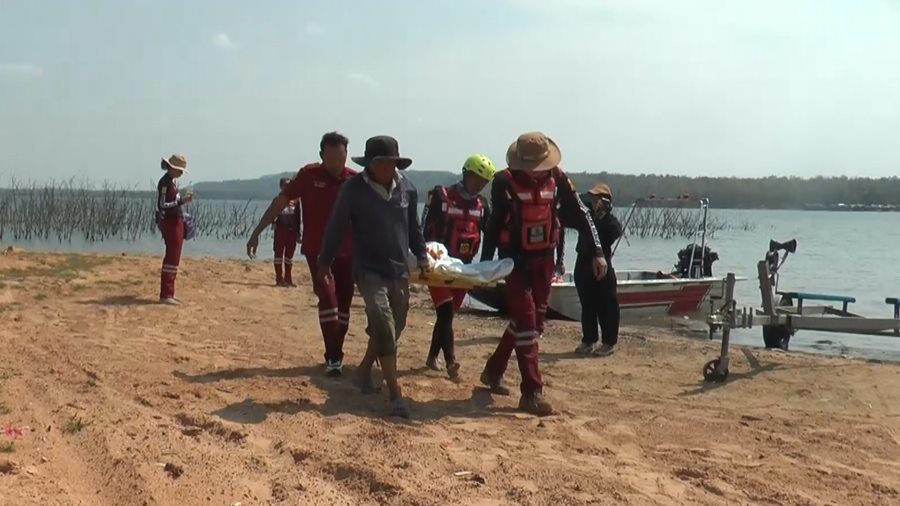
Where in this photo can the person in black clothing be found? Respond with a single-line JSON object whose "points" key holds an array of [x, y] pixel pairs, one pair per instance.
{"points": [[599, 301]]}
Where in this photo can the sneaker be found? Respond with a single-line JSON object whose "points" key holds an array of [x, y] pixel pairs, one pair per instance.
{"points": [[604, 351], [495, 385], [586, 348], [333, 368], [289, 284], [453, 371], [399, 408], [170, 301], [535, 404], [434, 363], [279, 284]]}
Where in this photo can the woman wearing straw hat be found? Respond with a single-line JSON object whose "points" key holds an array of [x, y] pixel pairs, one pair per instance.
{"points": [[170, 218], [599, 301]]}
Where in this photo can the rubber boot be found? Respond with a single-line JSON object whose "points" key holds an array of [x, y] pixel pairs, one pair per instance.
{"points": [[288, 275], [279, 277]]}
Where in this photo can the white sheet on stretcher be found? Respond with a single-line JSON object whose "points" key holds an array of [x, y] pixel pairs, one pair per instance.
{"points": [[476, 272]]}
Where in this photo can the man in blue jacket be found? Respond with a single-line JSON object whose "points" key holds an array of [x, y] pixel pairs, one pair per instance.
{"points": [[379, 206]]}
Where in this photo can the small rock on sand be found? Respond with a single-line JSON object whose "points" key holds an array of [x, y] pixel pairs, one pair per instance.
{"points": [[8, 467]]}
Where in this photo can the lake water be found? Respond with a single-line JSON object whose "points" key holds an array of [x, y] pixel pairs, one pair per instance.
{"points": [[838, 252]]}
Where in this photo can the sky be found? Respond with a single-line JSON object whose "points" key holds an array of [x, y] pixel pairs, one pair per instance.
{"points": [[99, 90]]}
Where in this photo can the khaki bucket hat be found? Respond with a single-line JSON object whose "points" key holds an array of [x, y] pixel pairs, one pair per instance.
{"points": [[533, 152]]}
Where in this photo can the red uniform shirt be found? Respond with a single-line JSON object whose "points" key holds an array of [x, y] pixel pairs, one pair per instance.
{"points": [[317, 190]]}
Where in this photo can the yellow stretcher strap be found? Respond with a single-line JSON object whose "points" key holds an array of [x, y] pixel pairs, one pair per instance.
{"points": [[440, 279]]}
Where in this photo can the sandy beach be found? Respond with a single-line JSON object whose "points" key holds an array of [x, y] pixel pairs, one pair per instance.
{"points": [[107, 397]]}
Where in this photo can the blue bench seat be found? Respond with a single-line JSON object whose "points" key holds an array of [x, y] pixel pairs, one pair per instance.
{"points": [[895, 301], [801, 296]]}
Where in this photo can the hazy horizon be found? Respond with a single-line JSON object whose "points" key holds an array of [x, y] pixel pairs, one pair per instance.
{"points": [[101, 89]]}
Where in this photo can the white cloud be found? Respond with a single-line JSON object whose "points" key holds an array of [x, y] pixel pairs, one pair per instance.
{"points": [[21, 70], [314, 29], [363, 79], [223, 41]]}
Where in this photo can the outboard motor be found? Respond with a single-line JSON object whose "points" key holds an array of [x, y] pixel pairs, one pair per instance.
{"points": [[778, 336], [703, 258], [775, 262]]}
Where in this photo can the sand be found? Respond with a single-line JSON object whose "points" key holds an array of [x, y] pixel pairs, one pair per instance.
{"points": [[118, 400]]}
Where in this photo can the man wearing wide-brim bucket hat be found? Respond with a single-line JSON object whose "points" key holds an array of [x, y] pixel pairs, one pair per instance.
{"points": [[171, 221], [531, 201], [379, 207]]}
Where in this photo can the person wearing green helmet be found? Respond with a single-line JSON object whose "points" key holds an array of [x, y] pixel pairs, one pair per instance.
{"points": [[455, 216]]}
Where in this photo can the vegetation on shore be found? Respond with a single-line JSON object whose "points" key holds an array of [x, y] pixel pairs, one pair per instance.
{"points": [[68, 211]]}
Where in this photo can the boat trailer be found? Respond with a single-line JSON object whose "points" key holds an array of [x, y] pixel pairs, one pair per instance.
{"points": [[781, 321]]}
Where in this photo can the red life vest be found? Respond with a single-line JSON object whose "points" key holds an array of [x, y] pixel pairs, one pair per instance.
{"points": [[462, 223], [288, 216], [533, 215]]}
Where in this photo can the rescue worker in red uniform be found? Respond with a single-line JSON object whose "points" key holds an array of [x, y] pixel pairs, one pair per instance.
{"points": [[455, 216], [530, 202], [317, 186], [287, 235], [170, 218]]}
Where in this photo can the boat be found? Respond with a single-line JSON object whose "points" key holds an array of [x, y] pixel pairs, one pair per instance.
{"points": [[643, 294]]}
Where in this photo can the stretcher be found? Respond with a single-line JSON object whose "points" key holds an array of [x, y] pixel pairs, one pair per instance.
{"points": [[453, 273]]}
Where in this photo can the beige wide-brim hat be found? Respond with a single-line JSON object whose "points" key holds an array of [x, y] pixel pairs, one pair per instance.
{"points": [[177, 162], [601, 189], [533, 152]]}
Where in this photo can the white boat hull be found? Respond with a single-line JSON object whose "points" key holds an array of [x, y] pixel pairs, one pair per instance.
{"points": [[641, 296]]}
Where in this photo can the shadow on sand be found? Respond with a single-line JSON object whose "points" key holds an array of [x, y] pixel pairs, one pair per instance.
{"points": [[121, 300], [343, 397], [250, 284]]}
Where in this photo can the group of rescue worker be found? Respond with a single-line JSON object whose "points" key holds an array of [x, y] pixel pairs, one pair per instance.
{"points": [[359, 227]]}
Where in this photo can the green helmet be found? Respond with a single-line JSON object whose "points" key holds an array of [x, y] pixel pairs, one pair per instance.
{"points": [[481, 166]]}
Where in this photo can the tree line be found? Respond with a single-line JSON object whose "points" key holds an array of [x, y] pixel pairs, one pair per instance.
{"points": [[724, 192]]}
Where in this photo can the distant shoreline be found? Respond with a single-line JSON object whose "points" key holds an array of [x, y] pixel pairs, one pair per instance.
{"points": [[765, 193]]}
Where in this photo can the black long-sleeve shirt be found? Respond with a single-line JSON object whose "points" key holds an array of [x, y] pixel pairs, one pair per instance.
{"points": [[610, 229], [571, 213], [384, 225]]}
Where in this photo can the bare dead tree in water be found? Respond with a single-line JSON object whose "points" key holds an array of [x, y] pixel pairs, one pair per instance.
{"points": [[673, 223], [65, 211]]}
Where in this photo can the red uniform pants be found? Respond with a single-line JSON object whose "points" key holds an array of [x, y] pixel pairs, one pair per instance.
{"points": [[285, 246], [173, 234], [527, 291], [441, 295], [334, 305]]}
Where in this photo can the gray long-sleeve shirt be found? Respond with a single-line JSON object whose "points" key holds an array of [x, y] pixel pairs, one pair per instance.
{"points": [[384, 226]]}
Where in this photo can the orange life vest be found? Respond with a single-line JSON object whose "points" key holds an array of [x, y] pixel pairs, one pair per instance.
{"points": [[533, 215], [462, 223]]}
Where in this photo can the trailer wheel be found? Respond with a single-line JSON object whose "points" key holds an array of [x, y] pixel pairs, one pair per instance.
{"points": [[711, 372], [776, 336]]}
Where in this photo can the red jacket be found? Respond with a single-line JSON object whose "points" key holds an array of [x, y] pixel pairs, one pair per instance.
{"points": [[318, 191]]}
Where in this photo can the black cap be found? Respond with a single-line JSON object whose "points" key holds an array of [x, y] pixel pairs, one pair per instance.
{"points": [[382, 146]]}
